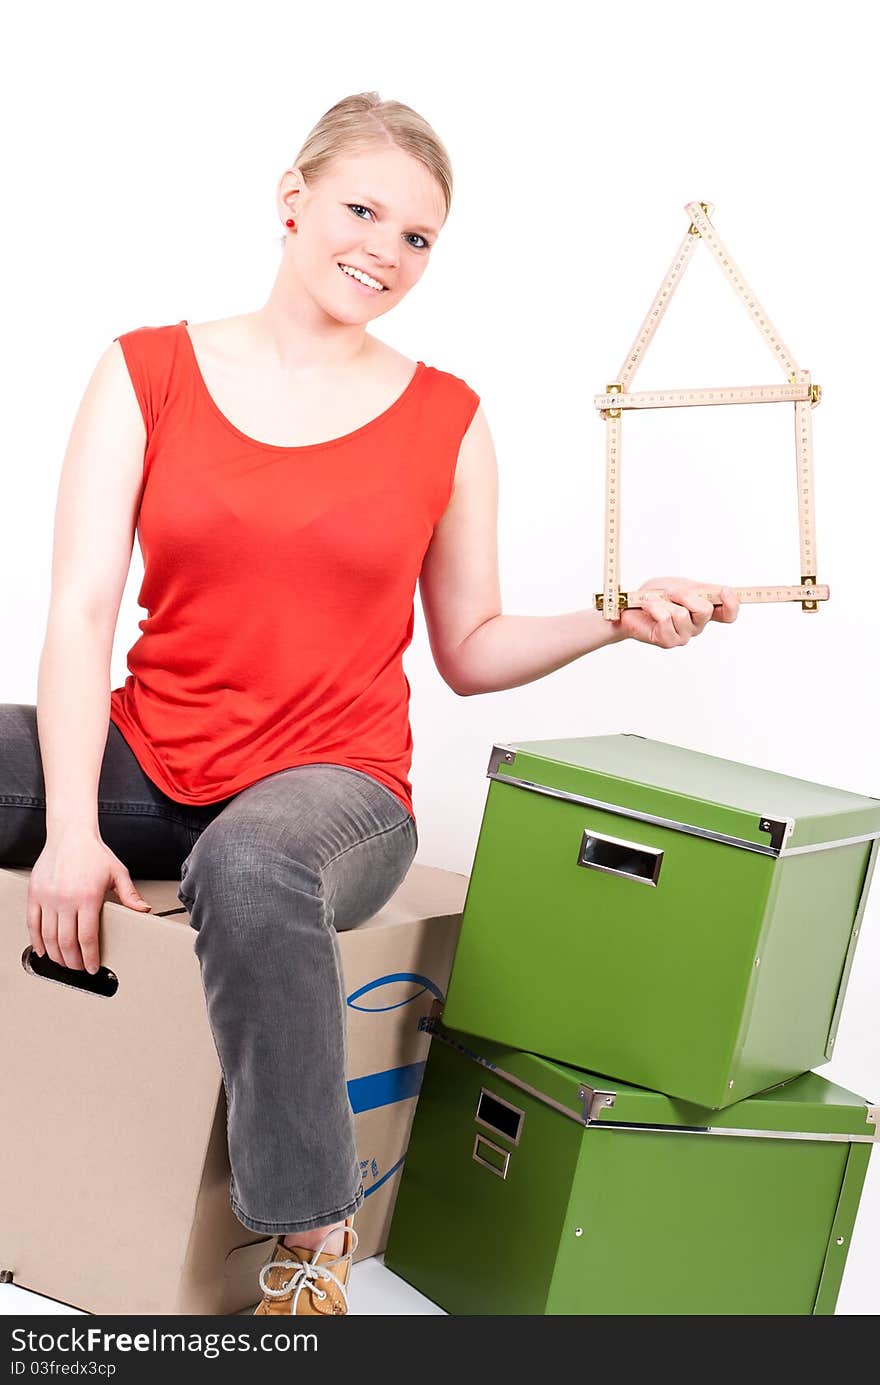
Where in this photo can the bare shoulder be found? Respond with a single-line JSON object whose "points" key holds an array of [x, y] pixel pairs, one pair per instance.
{"points": [[222, 336], [390, 366]]}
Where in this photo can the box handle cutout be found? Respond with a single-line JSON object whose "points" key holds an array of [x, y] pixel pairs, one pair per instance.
{"points": [[492, 1157], [614, 856], [500, 1116], [103, 982]]}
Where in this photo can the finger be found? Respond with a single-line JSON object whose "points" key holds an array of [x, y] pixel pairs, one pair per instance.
{"points": [[680, 613], [730, 605], [724, 600], [89, 921], [699, 608], [683, 622], [34, 924], [663, 632], [50, 935], [68, 939]]}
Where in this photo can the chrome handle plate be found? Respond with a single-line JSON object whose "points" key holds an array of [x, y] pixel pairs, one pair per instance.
{"points": [[501, 1171], [615, 856]]}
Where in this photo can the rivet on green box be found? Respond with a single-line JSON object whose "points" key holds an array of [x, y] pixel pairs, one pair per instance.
{"points": [[530, 1187], [673, 919]]}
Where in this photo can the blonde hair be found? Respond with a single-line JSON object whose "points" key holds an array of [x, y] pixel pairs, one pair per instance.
{"points": [[360, 122]]}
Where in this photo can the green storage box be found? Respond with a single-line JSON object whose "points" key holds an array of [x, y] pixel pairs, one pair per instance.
{"points": [[532, 1188], [680, 921]]}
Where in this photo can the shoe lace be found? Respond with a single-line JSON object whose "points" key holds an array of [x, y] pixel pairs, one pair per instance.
{"points": [[306, 1273]]}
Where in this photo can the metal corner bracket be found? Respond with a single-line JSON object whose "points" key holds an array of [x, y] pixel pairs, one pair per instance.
{"points": [[595, 1101], [501, 755], [779, 829]]}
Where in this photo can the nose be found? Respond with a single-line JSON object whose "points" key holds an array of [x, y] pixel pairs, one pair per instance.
{"points": [[385, 256]]}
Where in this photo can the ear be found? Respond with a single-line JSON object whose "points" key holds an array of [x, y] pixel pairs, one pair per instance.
{"points": [[290, 187]]}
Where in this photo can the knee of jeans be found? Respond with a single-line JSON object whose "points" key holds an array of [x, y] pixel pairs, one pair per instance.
{"points": [[233, 876]]}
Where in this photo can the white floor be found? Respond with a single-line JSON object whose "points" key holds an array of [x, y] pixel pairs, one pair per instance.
{"points": [[376, 1292], [373, 1291]]}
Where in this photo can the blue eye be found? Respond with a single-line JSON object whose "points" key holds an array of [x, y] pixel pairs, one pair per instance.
{"points": [[356, 207]]}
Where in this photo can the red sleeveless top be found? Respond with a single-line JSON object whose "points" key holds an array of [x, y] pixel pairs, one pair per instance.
{"points": [[279, 582]]}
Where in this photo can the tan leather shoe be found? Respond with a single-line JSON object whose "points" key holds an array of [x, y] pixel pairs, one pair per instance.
{"points": [[299, 1280]]}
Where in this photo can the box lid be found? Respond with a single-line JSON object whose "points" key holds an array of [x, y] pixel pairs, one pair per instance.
{"points": [[685, 788], [808, 1104]]}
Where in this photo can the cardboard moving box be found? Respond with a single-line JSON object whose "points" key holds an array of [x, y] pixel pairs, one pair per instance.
{"points": [[114, 1169]]}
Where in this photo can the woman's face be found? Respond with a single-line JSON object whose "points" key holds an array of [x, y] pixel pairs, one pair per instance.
{"points": [[379, 212]]}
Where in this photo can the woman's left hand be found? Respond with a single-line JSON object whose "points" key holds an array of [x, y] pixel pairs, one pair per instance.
{"points": [[674, 619]]}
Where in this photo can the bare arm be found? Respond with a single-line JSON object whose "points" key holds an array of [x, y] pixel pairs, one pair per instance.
{"points": [[476, 648], [95, 522]]}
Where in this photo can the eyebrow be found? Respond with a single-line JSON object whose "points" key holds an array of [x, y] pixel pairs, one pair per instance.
{"points": [[428, 230]]}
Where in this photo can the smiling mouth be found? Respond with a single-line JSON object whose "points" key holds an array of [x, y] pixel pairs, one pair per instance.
{"points": [[368, 287]]}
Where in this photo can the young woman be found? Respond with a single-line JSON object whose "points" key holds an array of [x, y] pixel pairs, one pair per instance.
{"points": [[291, 477]]}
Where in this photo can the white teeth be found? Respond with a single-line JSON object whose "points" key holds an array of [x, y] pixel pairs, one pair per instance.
{"points": [[364, 278]]}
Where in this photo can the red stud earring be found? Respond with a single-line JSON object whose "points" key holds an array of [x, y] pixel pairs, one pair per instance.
{"points": [[290, 221]]}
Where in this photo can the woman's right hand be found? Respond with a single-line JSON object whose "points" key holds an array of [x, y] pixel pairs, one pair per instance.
{"points": [[68, 885]]}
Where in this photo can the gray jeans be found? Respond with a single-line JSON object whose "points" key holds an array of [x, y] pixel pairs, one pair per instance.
{"points": [[269, 876]]}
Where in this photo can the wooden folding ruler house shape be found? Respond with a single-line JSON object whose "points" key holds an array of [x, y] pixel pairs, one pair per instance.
{"points": [[798, 391]]}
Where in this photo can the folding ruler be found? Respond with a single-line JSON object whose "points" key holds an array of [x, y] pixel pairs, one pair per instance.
{"points": [[798, 391]]}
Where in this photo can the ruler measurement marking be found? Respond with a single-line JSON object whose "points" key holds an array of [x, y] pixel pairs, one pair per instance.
{"points": [[746, 595], [734, 394]]}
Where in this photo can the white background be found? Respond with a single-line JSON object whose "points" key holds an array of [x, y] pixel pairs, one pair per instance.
{"points": [[139, 185]]}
